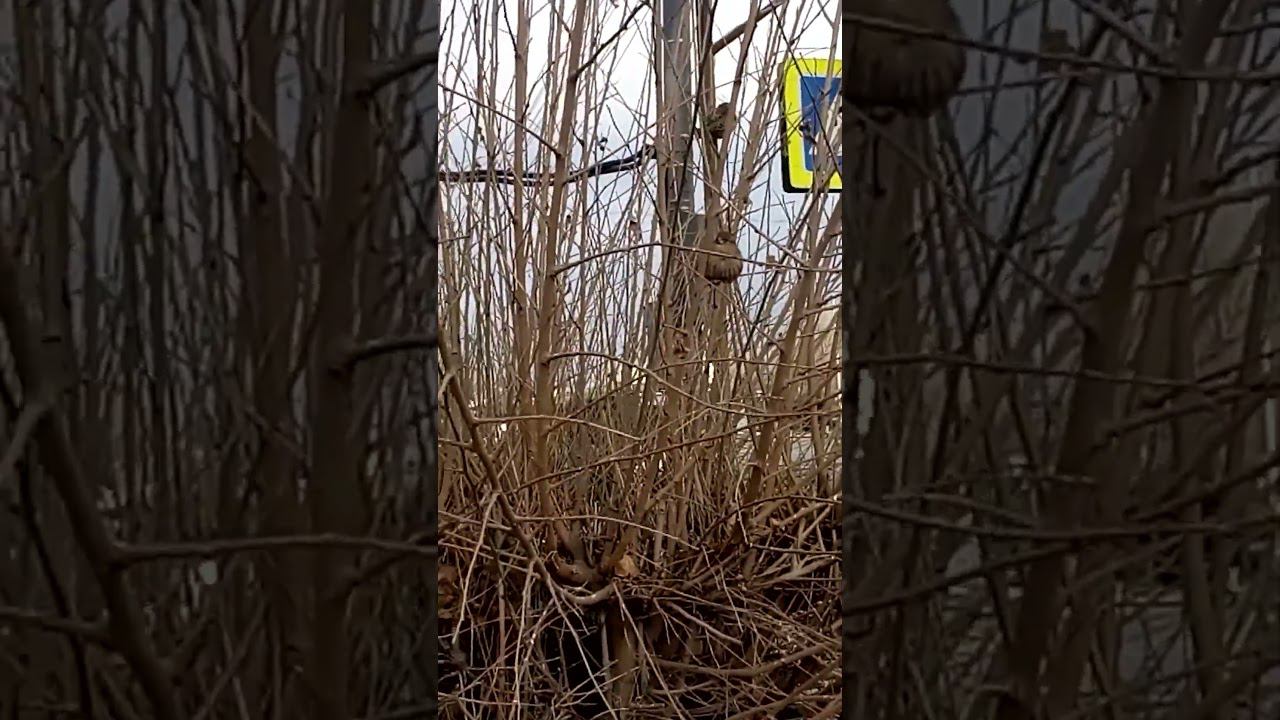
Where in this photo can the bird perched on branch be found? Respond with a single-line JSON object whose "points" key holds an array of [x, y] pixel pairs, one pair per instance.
{"points": [[726, 264], [718, 122], [903, 72], [1053, 41]]}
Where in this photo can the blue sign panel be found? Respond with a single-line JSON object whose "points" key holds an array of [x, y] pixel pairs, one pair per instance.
{"points": [[810, 88]]}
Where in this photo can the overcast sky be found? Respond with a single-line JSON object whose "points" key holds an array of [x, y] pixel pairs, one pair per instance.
{"points": [[623, 102], [629, 93]]}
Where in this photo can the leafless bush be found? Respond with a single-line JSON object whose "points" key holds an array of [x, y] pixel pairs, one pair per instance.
{"points": [[217, 269], [638, 459], [1062, 500]]}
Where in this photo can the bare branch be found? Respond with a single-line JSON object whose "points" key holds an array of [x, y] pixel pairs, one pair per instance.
{"points": [[32, 413], [372, 349], [92, 631], [133, 554], [391, 71]]}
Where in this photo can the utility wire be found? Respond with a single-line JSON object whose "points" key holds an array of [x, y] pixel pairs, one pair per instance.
{"points": [[605, 167]]}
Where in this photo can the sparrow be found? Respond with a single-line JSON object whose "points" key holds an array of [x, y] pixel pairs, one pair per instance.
{"points": [[1053, 41], [899, 72], [718, 121], [726, 264]]}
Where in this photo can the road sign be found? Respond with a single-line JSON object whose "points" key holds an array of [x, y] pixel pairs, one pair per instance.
{"points": [[809, 87]]}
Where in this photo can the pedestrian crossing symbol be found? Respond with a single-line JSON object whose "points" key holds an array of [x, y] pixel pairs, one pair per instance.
{"points": [[810, 94]]}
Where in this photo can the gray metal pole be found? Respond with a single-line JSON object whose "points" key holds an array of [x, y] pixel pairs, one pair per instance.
{"points": [[677, 105], [675, 178]]}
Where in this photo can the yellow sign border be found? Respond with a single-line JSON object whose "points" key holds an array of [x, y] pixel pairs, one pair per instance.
{"points": [[796, 176]]}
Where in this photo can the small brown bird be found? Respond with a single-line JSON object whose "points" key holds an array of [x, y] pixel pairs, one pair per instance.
{"points": [[901, 72], [719, 120], [1053, 41], [726, 265]]}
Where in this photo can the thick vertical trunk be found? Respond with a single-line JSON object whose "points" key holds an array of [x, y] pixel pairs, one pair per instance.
{"points": [[267, 314], [335, 494], [548, 289], [883, 318]]}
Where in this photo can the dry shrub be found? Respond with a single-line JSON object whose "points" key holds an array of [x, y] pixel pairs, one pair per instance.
{"points": [[638, 509], [1064, 501]]}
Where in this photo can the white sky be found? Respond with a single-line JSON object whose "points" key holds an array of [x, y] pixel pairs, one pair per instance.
{"points": [[623, 98], [625, 93], [813, 21]]}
